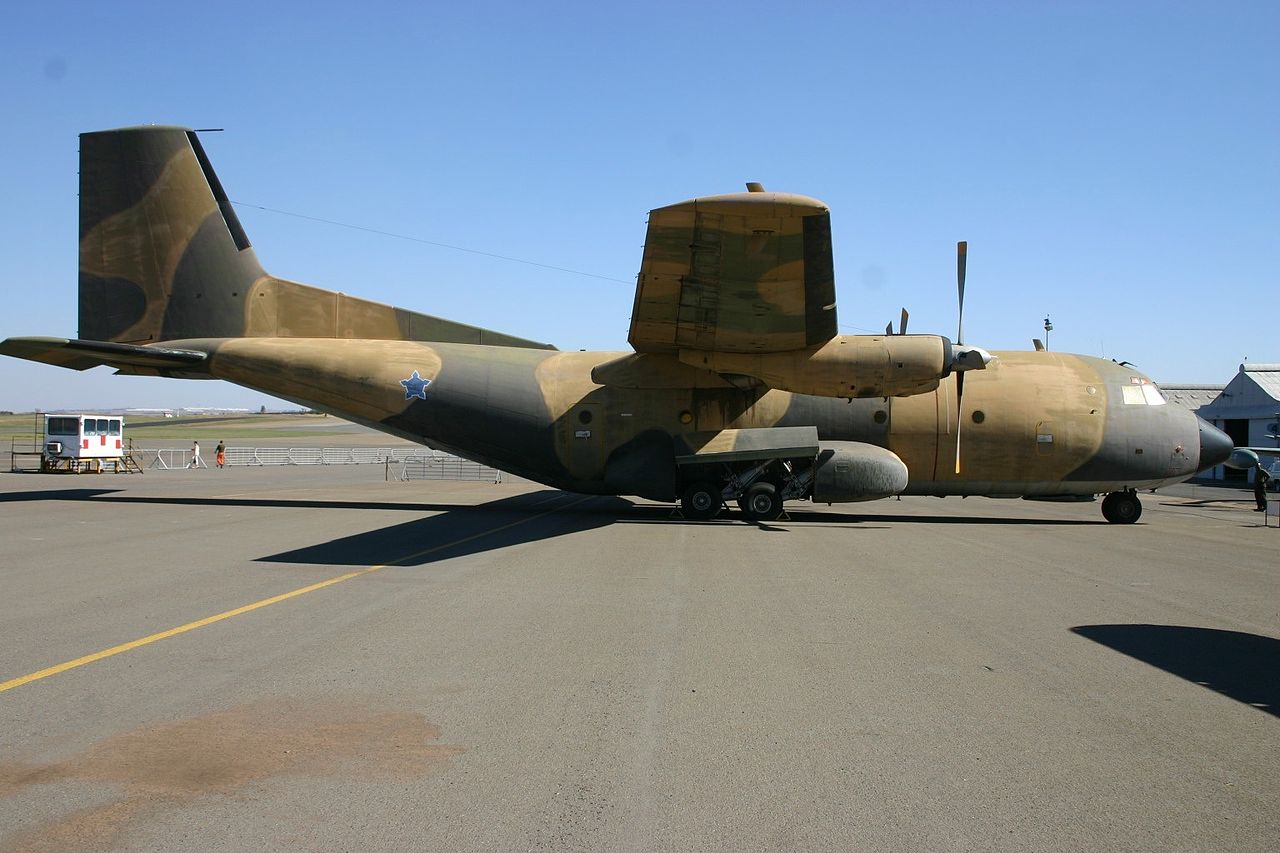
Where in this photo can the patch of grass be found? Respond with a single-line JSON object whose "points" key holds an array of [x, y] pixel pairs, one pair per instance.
{"points": [[224, 431], [20, 427]]}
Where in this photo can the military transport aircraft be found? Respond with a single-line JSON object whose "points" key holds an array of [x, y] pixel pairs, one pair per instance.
{"points": [[738, 387]]}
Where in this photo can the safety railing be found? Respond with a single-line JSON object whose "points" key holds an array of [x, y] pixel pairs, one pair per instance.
{"points": [[24, 455], [442, 466], [407, 463], [165, 458]]}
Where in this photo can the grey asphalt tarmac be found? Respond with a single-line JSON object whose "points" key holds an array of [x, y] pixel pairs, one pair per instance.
{"points": [[313, 658]]}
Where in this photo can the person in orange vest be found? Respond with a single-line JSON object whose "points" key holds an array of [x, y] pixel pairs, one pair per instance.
{"points": [[220, 455]]}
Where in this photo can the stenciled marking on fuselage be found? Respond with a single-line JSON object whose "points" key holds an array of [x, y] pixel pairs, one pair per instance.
{"points": [[415, 386]]}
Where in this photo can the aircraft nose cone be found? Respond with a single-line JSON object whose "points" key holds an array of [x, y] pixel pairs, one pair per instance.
{"points": [[1215, 445]]}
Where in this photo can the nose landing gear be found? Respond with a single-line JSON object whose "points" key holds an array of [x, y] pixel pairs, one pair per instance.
{"points": [[1122, 507]]}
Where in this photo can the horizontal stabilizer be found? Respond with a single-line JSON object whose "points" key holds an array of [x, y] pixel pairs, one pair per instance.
{"points": [[82, 355]]}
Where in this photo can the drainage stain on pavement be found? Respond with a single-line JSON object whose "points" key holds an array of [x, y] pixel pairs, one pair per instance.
{"points": [[168, 765]]}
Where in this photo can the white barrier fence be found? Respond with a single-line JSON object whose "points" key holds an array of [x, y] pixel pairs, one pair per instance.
{"points": [[445, 467], [407, 463]]}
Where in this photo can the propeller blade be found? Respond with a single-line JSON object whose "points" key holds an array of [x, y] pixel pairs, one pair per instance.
{"points": [[888, 328], [959, 414], [962, 254], [902, 325]]}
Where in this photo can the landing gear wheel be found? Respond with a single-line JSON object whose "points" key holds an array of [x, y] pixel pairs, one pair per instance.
{"points": [[762, 502], [701, 501], [1121, 508]]}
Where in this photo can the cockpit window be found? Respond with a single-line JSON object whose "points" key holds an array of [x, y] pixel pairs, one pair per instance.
{"points": [[1141, 392], [1132, 395]]}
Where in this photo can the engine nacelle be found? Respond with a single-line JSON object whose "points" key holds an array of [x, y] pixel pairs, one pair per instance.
{"points": [[845, 366], [848, 471]]}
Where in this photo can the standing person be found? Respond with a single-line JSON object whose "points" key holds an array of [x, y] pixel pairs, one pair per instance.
{"points": [[1260, 480], [195, 455], [220, 455]]}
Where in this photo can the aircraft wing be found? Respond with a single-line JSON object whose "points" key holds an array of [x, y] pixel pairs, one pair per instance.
{"points": [[747, 273], [82, 355]]}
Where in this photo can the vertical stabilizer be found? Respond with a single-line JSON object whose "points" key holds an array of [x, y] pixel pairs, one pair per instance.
{"points": [[162, 254], [163, 257]]}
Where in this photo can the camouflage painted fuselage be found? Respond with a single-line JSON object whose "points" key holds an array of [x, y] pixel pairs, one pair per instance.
{"points": [[1036, 424], [734, 303]]}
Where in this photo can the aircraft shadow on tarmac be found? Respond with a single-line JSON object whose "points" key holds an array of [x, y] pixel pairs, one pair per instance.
{"points": [[114, 496], [1244, 667], [621, 509], [460, 529], [466, 529]]}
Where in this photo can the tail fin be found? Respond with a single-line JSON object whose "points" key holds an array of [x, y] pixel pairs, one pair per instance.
{"points": [[164, 257], [162, 254]]}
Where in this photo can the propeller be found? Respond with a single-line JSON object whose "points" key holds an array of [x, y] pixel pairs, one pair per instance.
{"points": [[963, 358], [962, 258]]}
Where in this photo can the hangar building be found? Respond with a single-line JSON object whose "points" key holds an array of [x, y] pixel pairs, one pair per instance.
{"points": [[1247, 409]]}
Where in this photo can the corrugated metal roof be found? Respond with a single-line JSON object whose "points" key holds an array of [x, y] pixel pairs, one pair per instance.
{"points": [[1191, 397], [1267, 376]]}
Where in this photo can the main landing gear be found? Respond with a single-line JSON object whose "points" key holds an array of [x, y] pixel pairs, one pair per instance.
{"points": [[701, 501], [1122, 507], [761, 502], [758, 488]]}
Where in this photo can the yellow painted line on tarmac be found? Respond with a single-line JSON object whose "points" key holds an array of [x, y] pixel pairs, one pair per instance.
{"points": [[266, 602]]}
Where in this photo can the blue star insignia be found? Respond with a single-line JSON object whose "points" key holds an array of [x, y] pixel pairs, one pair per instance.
{"points": [[415, 386]]}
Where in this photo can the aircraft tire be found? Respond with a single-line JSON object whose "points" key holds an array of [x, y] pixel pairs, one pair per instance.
{"points": [[701, 501], [1121, 508], [762, 502]]}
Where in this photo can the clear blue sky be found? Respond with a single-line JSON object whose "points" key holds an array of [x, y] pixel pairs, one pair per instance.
{"points": [[1113, 164]]}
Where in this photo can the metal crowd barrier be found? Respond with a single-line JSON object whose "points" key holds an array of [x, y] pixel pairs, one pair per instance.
{"points": [[165, 458], [442, 466], [411, 463]]}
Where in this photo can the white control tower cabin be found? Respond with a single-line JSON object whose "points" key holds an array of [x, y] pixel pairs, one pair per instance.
{"points": [[80, 443]]}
